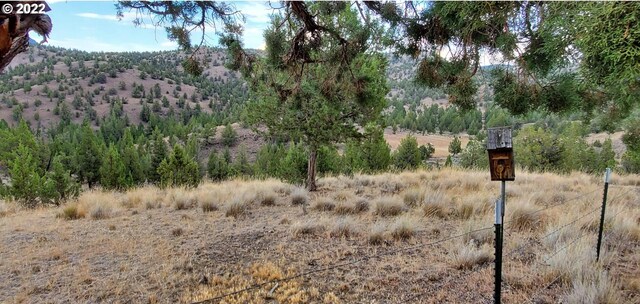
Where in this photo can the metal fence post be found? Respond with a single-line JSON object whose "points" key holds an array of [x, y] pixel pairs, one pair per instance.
{"points": [[607, 178], [499, 219]]}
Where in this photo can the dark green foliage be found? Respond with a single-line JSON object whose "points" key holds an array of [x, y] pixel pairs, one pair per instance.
{"points": [[268, 160], [631, 162], [475, 156], [455, 146], [408, 155], [179, 170], [133, 163], [241, 165], [229, 136], [158, 154], [112, 171], [218, 168], [538, 149], [371, 154], [89, 156], [62, 186], [26, 182], [329, 160], [426, 151], [145, 113], [606, 157]]}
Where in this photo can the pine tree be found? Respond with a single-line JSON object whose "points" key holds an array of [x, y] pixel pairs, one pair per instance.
{"points": [[179, 170], [455, 146], [408, 155], [426, 151], [89, 156], [242, 165], [131, 159], [158, 154], [112, 171], [63, 186], [217, 167], [229, 136], [25, 180], [606, 157], [376, 152]]}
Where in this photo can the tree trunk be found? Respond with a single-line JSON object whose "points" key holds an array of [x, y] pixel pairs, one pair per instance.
{"points": [[311, 169]]}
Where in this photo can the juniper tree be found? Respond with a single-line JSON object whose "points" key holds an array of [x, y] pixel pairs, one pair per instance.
{"points": [[89, 156], [178, 169], [112, 171], [320, 78], [26, 182], [63, 186], [408, 154]]}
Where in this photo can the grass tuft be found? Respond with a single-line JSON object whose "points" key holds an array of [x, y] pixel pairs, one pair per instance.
{"points": [[354, 206], [344, 227], [388, 206], [323, 204], [309, 227], [413, 197], [71, 212], [377, 234], [403, 229], [299, 196], [469, 255], [524, 217], [101, 211], [435, 204], [208, 206], [236, 208]]}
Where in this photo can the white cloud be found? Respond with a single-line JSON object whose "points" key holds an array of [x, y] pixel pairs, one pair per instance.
{"points": [[98, 16], [257, 12], [127, 19], [91, 44]]}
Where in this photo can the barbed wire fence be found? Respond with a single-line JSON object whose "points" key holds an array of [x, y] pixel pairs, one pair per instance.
{"points": [[462, 274]]}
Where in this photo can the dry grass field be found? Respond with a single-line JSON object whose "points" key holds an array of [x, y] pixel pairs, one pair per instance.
{"points": [[390, 238], [439, 142]]}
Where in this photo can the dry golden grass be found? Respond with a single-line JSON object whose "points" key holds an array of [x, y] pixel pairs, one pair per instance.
{"points": [[469, 255], [299, 196], [309, 227], [435, 204], [344, 227], [323, 204], [353, 206], [377, 234], [403, 228], [176, 245], [522, 216], [388, 206]]}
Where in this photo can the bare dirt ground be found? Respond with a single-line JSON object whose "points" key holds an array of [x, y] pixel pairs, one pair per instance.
{"points": [[391, 238], [440, 142]]}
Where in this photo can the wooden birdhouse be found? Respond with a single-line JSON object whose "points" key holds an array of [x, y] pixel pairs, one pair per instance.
{"points": [[500, 149]]}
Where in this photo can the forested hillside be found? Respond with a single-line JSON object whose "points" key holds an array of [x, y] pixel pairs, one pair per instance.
{"points": [[47, 85]]}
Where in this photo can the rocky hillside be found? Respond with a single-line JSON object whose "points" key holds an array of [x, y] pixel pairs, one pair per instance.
{"points": [[46, 84]]}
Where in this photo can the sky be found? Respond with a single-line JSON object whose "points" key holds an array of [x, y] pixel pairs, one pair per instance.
{"points": [[93, 26]]}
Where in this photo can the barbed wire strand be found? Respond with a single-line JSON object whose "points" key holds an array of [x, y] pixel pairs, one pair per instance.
{"points": [[519, 248]]}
